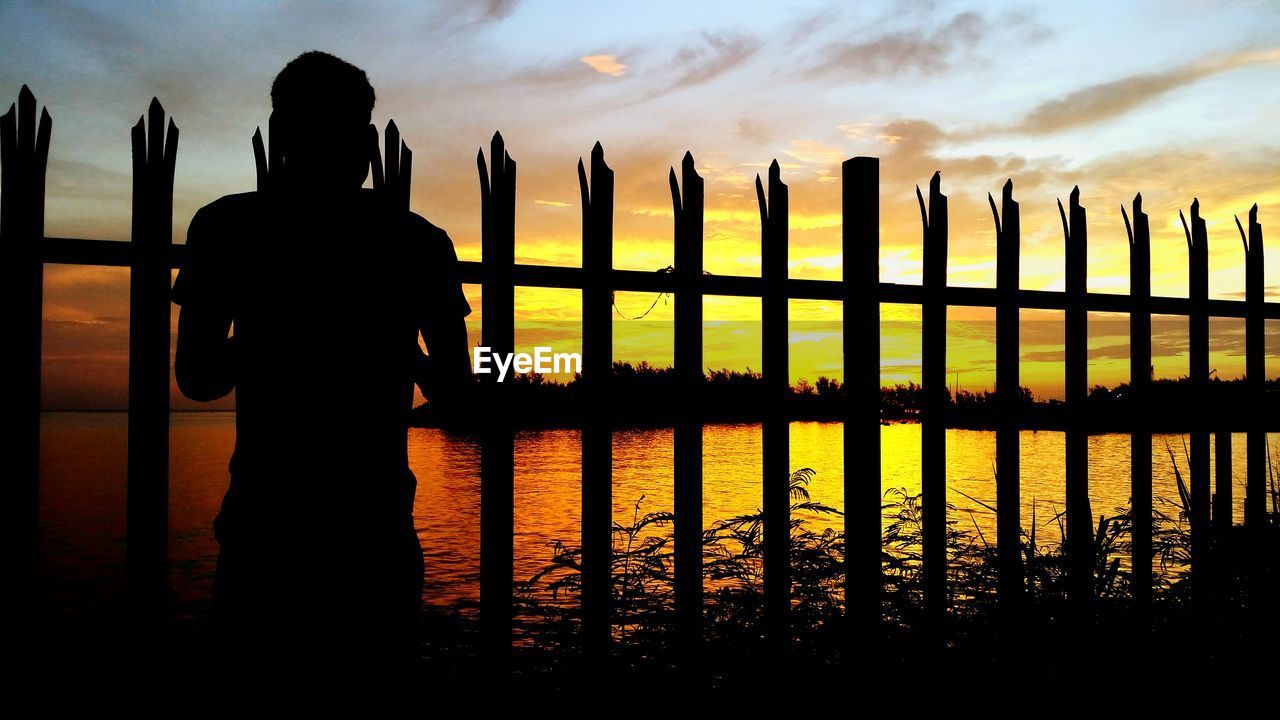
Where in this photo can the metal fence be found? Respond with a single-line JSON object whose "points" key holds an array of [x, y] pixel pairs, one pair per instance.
{"points": [[151, 256]]}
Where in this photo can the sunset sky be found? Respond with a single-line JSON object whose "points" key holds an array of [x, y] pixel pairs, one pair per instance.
{"points": [[1173, 99]]}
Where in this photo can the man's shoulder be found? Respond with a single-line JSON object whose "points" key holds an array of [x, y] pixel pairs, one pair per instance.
{"points": [[230, 208], [422, 236], [421, 229]]}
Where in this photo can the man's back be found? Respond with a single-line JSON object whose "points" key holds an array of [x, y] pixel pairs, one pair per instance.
{"points": [[326, 300]]}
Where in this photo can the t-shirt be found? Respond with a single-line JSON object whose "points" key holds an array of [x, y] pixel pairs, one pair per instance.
{"points": [[327, 301]]}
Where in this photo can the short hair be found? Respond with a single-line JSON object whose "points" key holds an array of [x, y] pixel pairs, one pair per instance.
{"points": [[317, 79]]}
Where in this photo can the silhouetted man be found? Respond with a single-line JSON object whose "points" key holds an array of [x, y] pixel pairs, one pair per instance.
{"points": [[307, 300]]}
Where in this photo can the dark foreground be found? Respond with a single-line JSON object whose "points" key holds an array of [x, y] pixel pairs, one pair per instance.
{"points": [[1220, 643]]}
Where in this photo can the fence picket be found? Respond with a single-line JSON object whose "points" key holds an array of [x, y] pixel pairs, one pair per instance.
{"points": [[1198, 281], [860, 237], [1255, 509], [597, 435], [1009, 396], [497, 231], [154, 156], [1140, 437], [1079, 541], [933, 421], [24, 155], [775, 430], [687, 201]]}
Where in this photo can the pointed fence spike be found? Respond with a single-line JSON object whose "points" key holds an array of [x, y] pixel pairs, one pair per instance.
{"points": [[675, 194], [391, 153], [485, 190], [26, 119], [375, 159], [406, 175], [170, 159], [764, 204], [155, 133], [260, 159], [497, 149], [42, 138]]}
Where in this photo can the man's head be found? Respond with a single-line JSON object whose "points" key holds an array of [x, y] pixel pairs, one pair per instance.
{"points": [[321, 107]]}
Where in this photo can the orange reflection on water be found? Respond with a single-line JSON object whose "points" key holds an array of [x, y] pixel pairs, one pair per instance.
{"points": [[82, 500]]}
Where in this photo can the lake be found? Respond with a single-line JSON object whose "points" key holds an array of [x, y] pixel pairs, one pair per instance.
{"points": [[82, 492]]}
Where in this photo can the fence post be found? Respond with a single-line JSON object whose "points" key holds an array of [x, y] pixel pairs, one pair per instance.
{"points": [[394, 177], [1140, 435], [775, 431], [498, 238], [154, 153], [1079, 540], [687, 202], [933, 381], [597, 435], [1255, 507], [1009, 398], [860, 237], [1223, 492], [1198, 281], [1223, 497], [24, 155]]}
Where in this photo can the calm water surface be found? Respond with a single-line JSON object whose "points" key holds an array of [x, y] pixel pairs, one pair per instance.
{"points": [[82, 494]]}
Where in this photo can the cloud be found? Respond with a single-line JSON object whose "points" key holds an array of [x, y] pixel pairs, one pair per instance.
{"points": [[1107, 100], [698, 64], [912, 147], [923, 52], [498, 9], [605, 64], [569, 74], [719, 54]]}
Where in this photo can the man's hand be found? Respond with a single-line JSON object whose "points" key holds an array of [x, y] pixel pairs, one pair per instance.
{"points": [[444, 376], [423, 376], [205, 361]]}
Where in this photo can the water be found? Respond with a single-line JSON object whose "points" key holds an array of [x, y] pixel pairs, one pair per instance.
{"points": [[82, 494]]}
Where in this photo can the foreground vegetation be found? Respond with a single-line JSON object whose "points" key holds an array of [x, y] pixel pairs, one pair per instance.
{"points": [[1051, 629]]}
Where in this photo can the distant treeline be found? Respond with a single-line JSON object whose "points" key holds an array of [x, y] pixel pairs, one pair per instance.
{"points": [[643, 394]]}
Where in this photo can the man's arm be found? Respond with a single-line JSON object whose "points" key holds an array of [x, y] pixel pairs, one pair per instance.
{"points": [[205, 358], [204, 361], [445, 376], [444, 380]]}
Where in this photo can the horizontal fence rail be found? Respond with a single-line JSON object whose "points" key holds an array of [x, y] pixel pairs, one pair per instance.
{"points": [[151, 255], [114, 253]]}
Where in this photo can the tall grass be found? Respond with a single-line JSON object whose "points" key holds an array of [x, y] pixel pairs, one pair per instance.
{"points": [[643, 568]]}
